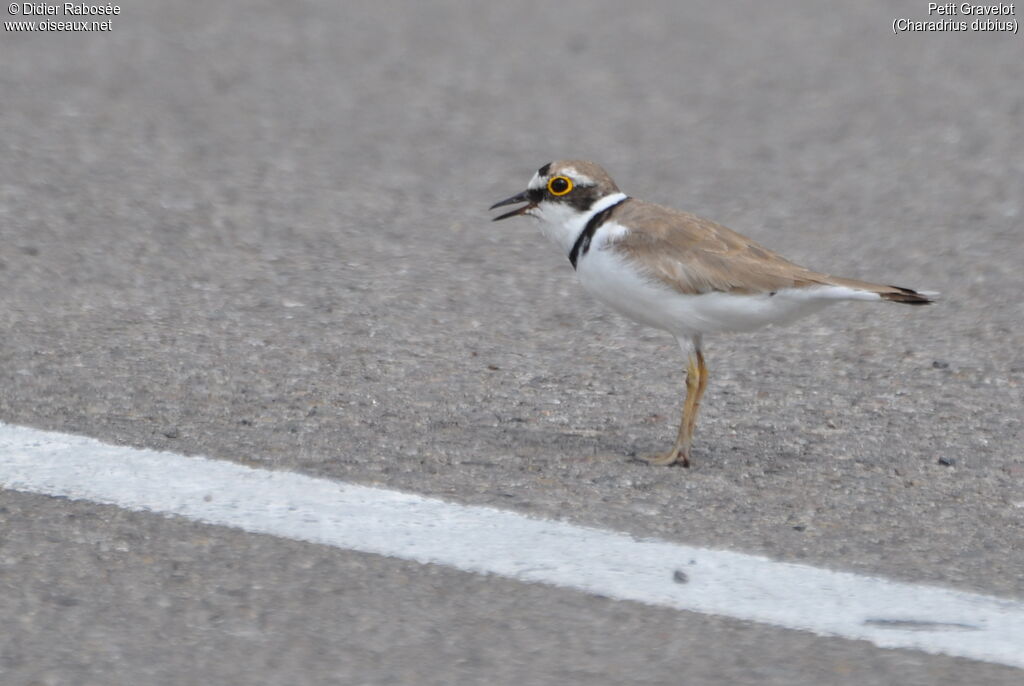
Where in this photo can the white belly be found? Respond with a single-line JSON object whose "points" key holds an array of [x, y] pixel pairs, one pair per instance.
{"points": [[615, 282]]}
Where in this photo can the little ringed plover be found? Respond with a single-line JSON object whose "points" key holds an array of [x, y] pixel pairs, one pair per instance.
{"points": [[676, 271]]}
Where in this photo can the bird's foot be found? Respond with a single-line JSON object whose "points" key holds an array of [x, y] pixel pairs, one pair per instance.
{"points": [[674, 456]]}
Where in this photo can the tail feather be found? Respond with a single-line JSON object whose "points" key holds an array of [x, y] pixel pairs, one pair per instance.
{"points": [[896, 294]]}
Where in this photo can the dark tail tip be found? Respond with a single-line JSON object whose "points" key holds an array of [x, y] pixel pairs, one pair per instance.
{"points": [[908, 296]]}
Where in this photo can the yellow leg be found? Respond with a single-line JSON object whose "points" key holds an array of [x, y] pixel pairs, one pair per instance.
{"points": [[702, 376], [696, 382]]}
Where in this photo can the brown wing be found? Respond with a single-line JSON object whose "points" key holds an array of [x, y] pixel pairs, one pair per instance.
{"points": [[694, 255]]}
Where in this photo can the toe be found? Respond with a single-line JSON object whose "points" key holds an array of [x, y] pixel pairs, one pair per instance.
{"points": [[662, 459]]}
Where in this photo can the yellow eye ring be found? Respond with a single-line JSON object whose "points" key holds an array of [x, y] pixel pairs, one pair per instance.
{"points": [[559, 185]]}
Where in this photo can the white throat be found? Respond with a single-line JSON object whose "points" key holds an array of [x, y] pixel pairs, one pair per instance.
{"points": [[563, 223]]}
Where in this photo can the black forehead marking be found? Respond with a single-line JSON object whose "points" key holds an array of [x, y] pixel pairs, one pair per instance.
{"points": [[543, 171]]}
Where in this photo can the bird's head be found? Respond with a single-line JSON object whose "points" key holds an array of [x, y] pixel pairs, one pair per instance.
{"points": [[561, 191]]}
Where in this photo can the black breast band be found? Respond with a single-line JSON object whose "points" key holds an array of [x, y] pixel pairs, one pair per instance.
{"points": [[582, 244]]}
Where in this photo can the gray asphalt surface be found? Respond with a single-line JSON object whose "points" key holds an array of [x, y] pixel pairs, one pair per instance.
{"points": [[258, 232]]}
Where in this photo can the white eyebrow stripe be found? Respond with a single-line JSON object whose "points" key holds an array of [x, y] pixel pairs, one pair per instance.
{"points": [[577, 178]]}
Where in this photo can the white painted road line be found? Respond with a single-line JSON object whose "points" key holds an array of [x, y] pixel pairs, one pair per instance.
{"points": [[490, 541]]}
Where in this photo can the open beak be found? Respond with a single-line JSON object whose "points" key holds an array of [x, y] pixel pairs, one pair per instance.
{"points": [[518, 197]]}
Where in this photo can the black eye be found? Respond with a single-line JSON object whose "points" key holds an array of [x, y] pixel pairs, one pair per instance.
{"points": [[559, 185]]}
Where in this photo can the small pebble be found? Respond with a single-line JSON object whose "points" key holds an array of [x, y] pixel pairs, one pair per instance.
{"points": [[947, 461], [940, 364], [680, 577]]}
